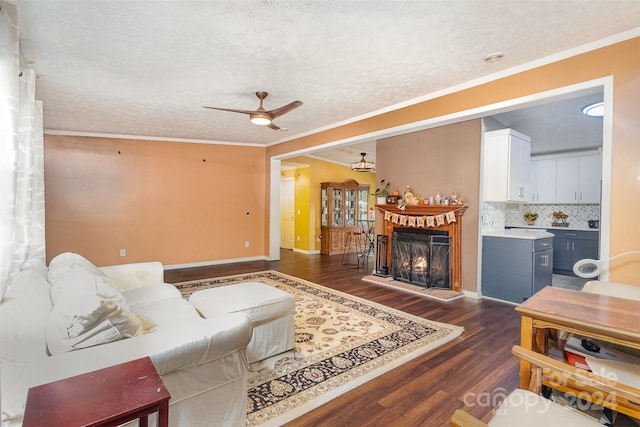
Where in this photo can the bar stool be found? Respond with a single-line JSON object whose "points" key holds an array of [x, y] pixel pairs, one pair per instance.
{"points": [[353, 240]]}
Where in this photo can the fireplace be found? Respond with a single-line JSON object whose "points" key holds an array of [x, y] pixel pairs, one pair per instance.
{"points": [[421, 257], [452, 228]]}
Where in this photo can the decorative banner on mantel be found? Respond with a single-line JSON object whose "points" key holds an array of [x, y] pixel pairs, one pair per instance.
{"points": [[420, 221]]}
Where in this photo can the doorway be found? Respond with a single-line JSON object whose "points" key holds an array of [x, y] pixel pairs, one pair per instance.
{"points": [[558, 131], [287, 207], [604, 84]]}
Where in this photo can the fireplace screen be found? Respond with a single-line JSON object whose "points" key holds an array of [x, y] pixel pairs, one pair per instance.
{"points": [[382, 265], [421, 257]]}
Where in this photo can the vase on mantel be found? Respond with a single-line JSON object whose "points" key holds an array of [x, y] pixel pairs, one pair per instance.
{"points": [[531, 223]]}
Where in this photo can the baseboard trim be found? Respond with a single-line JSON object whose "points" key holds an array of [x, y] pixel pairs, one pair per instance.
{"points": [[500, 300], [303, 251], [216, 262], [474, 295]]}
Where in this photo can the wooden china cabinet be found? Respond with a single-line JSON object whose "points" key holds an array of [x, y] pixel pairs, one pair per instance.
{"points": [[344, 206]]}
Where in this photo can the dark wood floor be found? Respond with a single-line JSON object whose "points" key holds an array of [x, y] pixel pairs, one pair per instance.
{"points": [[426, 390]]}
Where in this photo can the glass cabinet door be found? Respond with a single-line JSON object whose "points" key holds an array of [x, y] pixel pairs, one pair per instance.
{"points": [[350, 207], [363, 205], [324, 208], [336, 203]]}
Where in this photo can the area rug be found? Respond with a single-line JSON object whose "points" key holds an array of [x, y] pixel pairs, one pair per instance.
{"points": [[435, 293], [342, 341]]}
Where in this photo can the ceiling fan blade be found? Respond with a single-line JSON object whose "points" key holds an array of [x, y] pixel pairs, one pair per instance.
{"points": [[232, 110], [273, 126], [284, 109]]}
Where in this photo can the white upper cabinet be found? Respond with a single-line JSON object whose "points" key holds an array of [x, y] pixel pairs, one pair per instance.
{"points": [[579, 179], [506, 157], [590, 183], [567, 173], [543, 182], [568, 178]]}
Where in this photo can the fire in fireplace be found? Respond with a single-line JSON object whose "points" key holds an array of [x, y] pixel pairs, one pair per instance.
{"points": [[421, 257]]}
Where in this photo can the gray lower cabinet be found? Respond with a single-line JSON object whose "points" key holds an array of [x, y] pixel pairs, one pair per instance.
{"points": [[570, 246], [514, 269]]}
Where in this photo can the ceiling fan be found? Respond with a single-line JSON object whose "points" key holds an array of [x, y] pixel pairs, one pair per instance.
{"points": [[261, 116]]}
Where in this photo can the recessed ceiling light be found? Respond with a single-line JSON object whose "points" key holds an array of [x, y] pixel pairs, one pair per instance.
{"points": [[594, 110], [493, 57]]}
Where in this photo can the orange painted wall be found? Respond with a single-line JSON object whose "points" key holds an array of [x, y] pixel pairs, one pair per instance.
{"points": [[620, 60], [170, 202]]}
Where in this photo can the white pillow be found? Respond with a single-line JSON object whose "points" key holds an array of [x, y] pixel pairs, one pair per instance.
{"points": [[23, 317], [63, 269], [61, 264], [32, 282], [88, 310], [35, 264]]}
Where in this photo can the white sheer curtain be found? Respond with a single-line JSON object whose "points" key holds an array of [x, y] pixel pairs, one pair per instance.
{"points": [[21, 156], [28, 238]]}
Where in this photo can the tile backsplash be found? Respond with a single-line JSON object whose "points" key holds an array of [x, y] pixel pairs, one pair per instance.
{"points": [[495, 215]]}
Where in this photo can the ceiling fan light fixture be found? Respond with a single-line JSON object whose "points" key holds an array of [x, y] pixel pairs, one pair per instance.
{"points": [[260, 119], [363, 165]]}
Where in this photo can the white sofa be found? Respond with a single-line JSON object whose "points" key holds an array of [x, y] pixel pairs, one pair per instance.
{"points": [[74, 318]]}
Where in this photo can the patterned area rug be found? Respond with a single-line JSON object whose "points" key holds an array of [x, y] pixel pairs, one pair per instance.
{"points": [[342, 341], [435, 293]]}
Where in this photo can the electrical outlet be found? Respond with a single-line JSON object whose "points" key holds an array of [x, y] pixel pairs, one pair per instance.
{"points": [[246, 244], [298, 238], [123, 252]]}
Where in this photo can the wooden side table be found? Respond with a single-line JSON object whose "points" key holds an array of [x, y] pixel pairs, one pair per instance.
{"points": [[605, 318], [106, 397]]}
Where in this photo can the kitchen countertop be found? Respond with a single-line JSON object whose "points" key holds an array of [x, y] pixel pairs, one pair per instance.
{"points": [[536, 227], [520, 233]]}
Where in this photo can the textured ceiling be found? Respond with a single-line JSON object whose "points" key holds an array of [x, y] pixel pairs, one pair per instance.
{"points": [[557, 126], [146, 68]]}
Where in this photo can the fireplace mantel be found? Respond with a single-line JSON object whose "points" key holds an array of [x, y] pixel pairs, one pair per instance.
{"points": [[454, 229], [428, 210]]}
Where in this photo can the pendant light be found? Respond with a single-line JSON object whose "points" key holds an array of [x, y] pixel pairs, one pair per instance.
{"points": [[363, 165]]}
